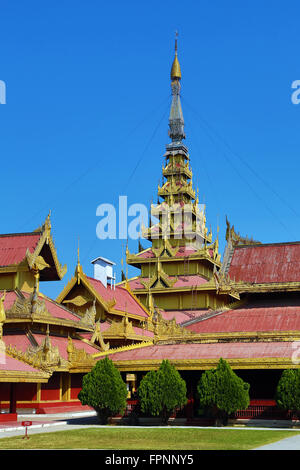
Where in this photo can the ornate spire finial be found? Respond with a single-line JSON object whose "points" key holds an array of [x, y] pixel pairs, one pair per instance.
{"points": [[176, 122], [175, 70], [78, 257], [78, 269], [47, 224]]}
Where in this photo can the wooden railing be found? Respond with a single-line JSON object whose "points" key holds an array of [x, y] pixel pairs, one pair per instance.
{"points": [[264, 409], [258, 409]]}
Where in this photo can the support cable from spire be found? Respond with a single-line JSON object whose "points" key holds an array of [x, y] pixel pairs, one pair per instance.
{"points": [[211, 137]]}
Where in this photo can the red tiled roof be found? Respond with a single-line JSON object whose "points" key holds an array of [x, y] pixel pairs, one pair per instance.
{"points": [[10, 298], [147, 254], [142, 332], [136, 284], [182, 316], [13, 247], [18, 340], [266, 263], [191, 280], [207, 351], [183, 251], [258, 316], [8, 363], [124, 300], [59, 311]]}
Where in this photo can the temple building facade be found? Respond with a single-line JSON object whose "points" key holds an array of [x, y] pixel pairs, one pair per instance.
{"points": [[186, 305]]}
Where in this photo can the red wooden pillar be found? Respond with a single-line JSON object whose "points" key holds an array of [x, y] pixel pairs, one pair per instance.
{"points": [[13, 398]]}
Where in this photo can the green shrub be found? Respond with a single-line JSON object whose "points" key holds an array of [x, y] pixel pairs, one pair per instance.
{"points": [[162, 391], [104, 390], [222, 391], [288, 390]]}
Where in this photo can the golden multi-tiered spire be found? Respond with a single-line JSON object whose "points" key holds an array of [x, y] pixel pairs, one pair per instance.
{"points": [[177, 189], [178, 270]]}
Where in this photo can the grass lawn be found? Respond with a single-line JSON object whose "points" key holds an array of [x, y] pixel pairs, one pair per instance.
{"points": [[152, 439]]}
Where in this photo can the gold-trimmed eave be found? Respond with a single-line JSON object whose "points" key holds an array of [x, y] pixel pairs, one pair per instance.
{"points": [[245, 287], [15, 268], [136, 261], [236, 336], [134, 337], [206, 364], [24, 377], [223, 290], [19, 318]]}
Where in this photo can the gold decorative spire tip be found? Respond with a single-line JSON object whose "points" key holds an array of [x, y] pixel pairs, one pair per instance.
{"points": [[175, 70]]}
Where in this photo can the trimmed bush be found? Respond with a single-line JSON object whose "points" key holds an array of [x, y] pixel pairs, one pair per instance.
{"points": [[223, 392], [104, 390], [288, 391], [163, 391]]}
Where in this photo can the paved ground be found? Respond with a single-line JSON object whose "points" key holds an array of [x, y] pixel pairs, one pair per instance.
{"points": [[289, 443]]}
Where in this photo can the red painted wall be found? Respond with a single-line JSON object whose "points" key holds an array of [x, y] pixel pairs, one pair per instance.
{"points": [[4, 391], [26, 391], [51, 390], [76, 385]]}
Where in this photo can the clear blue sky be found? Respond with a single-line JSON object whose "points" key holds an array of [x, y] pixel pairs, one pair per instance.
{"points": [[88, 95]]}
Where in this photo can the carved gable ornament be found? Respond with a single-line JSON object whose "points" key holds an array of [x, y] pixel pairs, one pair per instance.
{"points": [[31, 306], [78, 357]]}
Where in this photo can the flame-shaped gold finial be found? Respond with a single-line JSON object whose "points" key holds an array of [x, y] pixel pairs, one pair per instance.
{"points": [[175, 70]]}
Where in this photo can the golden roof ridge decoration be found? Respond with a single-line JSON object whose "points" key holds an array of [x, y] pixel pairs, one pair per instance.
{"points": [[78, 357], [143, 344], [122, 329], [46, 355], [168, 329], [90, 315], [31, 306], [97, 336], [27, 357], [78, 300]]}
